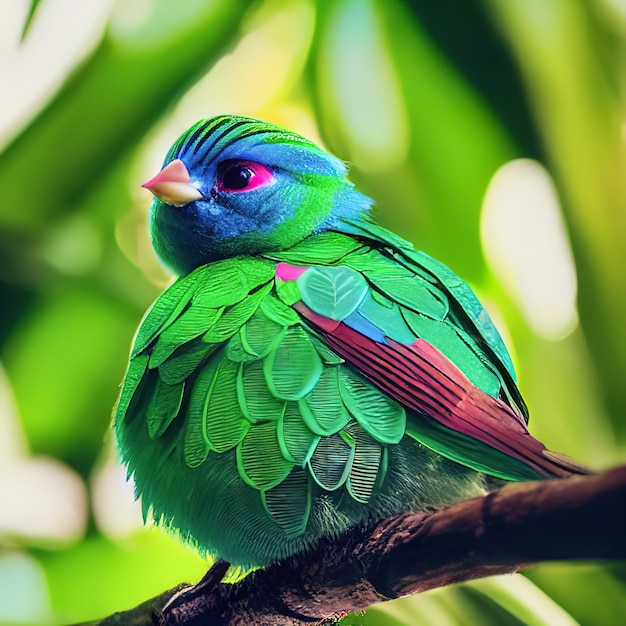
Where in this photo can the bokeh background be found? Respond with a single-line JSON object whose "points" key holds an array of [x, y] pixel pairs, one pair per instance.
{"points": [[491, 134]]}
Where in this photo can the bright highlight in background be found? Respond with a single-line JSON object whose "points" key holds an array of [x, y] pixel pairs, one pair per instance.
{"points": [[526, 245], [366, 96], [62, 34]]}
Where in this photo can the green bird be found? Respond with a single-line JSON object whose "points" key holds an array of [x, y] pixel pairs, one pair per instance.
{"points": [[309, 370]]}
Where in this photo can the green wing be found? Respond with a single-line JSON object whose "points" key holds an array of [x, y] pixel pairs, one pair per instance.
{"points": [[397, 265], [380, 292]]}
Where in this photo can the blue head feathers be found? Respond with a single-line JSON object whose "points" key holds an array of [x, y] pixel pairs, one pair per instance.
{"points": [[237, 186]]}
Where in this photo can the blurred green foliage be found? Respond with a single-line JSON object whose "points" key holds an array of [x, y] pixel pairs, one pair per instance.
{"points": [[426, 100]]}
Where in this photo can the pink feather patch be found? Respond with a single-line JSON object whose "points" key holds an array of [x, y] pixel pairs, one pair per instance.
{"points": [[285, 271]]}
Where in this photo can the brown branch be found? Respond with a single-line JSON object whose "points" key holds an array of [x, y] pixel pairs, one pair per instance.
{"points": [[583, 517]]}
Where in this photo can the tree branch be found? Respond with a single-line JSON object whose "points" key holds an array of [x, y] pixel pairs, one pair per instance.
{"points": [[582, 517]]}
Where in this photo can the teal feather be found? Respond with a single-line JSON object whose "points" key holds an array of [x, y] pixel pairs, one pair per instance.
{"points": [[296, 440], [293, 368], [289, 503], [319, 409], [380, 416], [256, 400]]}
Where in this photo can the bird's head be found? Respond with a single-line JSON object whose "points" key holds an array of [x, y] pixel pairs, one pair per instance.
{"points": [[237, 186]]}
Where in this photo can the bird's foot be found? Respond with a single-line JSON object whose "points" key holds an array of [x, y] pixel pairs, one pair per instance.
{"points": [[187, 597]]}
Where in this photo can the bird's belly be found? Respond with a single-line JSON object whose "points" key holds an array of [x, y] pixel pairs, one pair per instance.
{"points": [[215, 512]]}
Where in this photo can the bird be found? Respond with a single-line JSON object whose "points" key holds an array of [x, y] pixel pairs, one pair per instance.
{"points": [[308, 371]]}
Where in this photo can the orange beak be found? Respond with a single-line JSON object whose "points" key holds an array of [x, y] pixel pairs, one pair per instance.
{"points": [[173, 185]]}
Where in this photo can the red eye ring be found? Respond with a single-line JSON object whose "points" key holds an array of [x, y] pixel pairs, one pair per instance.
{"points": [[237, 175]]}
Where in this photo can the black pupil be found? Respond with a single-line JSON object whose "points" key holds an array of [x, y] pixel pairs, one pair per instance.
{"points": [[237, 176]]}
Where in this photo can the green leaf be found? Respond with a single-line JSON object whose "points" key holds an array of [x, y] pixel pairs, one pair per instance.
{"points": [[333, 292], [382, 417], [295, 438], [278, 312], [470, 304], [134, 374], [388, 319], [235, 317], [256, 270], [322, 249], [164, 406], [331, 462], [224, 423], [184, 361], [399, 284], [369, 229], [29, 18], [166, 308], [65, 358], [224, 285], [293, 368], [365, 466], [410, 292], [191, 323], [236, 351], [260, 334], [255, 398], [446, 339], [259, 458], [289, 503], [196, 444], [322, 408], [288, 291], [327, 355], [132, 77]]}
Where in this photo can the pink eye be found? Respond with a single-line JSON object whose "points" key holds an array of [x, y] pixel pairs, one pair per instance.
{"points": [[242, 175]]}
